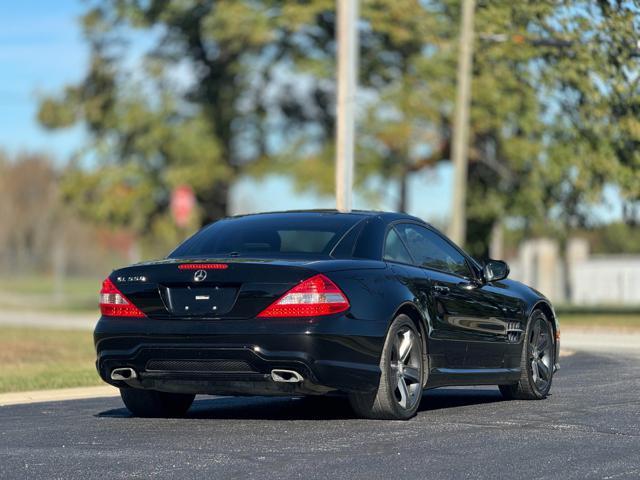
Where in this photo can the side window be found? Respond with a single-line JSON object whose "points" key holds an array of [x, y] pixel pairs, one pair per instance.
{"points": [[394, 250], [430, 250]]}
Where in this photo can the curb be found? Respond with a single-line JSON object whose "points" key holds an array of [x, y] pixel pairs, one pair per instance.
{"points": [[38, 396]]}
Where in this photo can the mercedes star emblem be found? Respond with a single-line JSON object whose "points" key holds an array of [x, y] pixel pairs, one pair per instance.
{"points": [[200, 275]]}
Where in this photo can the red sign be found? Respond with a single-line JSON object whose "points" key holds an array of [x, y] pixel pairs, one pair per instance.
{"points": [[183, 202]]}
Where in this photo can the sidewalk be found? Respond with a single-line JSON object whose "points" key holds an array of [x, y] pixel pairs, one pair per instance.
{"points": [[16, 398], [601, 340]]}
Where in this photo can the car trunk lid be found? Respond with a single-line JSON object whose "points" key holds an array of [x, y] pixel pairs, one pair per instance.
{"points": [[211, 288]]}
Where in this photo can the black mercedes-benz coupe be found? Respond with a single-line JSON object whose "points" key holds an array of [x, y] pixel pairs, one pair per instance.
{"points": [[375, 306]]}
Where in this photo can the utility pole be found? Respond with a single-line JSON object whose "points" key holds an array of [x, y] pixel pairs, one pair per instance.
{"points": [[347, 41], [460, 146]]}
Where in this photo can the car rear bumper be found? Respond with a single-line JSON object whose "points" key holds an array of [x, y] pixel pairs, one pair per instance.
{"points": [[221, 357]]}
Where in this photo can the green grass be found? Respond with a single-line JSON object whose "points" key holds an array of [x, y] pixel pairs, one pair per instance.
{"points": [[38, 359], [46, 285], [41, 292]]}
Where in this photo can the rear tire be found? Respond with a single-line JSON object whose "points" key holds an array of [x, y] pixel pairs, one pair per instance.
{"points": [[537, 362], [150, 403], [402, 373]]}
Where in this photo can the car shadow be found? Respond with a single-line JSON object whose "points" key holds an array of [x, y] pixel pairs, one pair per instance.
{"points": [[443, 398], [313, 408]]}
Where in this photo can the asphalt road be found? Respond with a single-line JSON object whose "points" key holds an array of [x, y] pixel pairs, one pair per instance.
{"points": [[588, 428]]}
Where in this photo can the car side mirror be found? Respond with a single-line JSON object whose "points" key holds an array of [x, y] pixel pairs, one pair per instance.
{"points": [[495, 270]]}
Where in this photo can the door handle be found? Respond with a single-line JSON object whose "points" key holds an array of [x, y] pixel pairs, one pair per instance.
{"points": [[468, 285], [441, 289]]}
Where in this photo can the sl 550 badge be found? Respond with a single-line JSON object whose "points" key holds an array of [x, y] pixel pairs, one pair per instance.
{"points": [[135, 278]]}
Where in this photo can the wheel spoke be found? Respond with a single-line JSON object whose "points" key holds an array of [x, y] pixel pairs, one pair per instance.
{"points": [[543, 343], [395, 353], [534, 371], [535, 333], [405, 346], [404, 392], [412, 374], [543, 370]]}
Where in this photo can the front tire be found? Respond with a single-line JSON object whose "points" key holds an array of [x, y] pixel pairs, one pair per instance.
{"points": [[153, 404], [537, 361], [402, 373]]}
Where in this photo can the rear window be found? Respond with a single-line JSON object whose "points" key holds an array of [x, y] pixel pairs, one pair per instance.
{"points": [[280, 234]]}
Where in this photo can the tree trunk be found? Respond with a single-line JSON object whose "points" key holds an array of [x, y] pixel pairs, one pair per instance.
{"points": [[567, 286], [59, 266], [215, 202], [403, 189], [496, 242], [477, 238]]}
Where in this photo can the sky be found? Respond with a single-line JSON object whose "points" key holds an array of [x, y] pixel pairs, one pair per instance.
{"points": [[42, 50]]}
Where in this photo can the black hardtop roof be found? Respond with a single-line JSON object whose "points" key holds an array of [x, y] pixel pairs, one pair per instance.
{"points": [[388, 216]]}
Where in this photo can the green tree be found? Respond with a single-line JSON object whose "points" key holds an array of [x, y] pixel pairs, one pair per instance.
{"points": [[192, 110], [259, 92], [553, 119], [408, 84]]}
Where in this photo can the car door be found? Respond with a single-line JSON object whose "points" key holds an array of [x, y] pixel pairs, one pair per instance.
{"points": [[468, 323]]}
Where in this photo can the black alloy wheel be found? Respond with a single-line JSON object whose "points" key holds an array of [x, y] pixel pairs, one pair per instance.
{"points": [[537, 363], [402, 376]]}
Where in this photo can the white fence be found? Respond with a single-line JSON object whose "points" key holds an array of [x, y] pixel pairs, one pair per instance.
{"points": [[606, 279], [594, 279]]}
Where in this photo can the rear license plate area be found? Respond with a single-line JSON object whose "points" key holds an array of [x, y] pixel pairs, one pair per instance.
{"points": [[210, 301]]}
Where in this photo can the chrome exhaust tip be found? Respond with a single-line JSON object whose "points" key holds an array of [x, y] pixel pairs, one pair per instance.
{"points": [[286, 376], [123, 374]]}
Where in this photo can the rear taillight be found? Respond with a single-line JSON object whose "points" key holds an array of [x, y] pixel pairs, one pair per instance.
{"points": [[114, 304], [315, 296]]}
